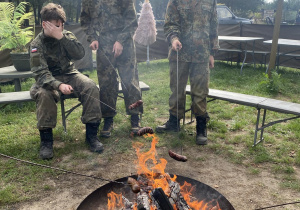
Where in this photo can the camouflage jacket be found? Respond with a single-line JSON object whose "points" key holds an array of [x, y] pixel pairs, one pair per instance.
{"points": [[99, 17], [50, 57], [195, 24]]}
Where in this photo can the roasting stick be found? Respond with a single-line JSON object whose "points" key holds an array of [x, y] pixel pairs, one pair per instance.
{"points": [[104, 104], [59, 169], [115, 71], [177, 98]]}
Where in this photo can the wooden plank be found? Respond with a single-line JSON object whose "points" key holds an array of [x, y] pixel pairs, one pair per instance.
{"points": [[259, 52], [237, 98], [11, 73], [230, 50], [239, 38], [143, 86], [22, 96], [289, 54], [13, 97], [280, 106]]}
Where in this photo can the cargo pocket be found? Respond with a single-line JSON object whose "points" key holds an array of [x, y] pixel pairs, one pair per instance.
{"points": [[35, 60]]}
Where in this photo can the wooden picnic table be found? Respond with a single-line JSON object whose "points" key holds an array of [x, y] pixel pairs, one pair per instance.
{"points": [[293, 53], [9, 72], [239, 40]]}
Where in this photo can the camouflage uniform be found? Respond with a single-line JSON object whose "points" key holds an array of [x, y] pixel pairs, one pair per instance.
{"points": [[108, 21], [51, 64], [195, 24]]}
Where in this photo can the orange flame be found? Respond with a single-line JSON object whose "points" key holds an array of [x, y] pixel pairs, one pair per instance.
{"points": [[143, 158], [187, 190], [114, 200], [148, 165]]}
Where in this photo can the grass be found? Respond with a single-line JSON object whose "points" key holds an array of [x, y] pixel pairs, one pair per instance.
{"points": [[231, 130]]}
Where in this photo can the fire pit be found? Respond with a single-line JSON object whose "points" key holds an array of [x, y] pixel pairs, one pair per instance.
{"points": [[98, 198], [153, 188]]}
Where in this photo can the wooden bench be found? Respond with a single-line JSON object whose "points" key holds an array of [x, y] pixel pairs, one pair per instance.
{"points": [[264, 55], [290, 56], [260, 103], [230, 52], [24, 96]]}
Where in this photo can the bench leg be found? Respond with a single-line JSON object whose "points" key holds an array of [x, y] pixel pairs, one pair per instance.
{"points": [[256, 127], [262, 126], [261, 129]]}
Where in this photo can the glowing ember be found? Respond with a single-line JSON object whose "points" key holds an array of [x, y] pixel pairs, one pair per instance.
{"points": [[154, 171]]}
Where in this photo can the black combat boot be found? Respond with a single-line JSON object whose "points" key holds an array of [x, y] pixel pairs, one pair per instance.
{"points": [[201, 138], [46, 147], [107, 128], [173, 124], [92, 138], [135, 124]]}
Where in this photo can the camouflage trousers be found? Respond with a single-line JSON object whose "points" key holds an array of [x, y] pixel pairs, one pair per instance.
{"points": [[108, 70], [85, 90], [199, 80]]}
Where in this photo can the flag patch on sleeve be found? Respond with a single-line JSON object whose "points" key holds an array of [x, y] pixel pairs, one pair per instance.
{"points": [[33, 50]]}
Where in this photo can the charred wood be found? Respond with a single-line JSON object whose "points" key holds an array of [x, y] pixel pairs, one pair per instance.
{"points": [[128, 205], [143, 201], [176, 197], [160, 199]]}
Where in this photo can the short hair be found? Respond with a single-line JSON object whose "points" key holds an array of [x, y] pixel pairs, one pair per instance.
{"points": [[53, 12]]}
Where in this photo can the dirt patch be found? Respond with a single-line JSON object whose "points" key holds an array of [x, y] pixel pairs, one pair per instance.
{"points": [[243, 189]]}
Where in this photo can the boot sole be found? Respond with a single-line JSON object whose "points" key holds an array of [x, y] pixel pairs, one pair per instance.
{"points": [[201, 143], [46, 157], [97, 151], [94, 150]]}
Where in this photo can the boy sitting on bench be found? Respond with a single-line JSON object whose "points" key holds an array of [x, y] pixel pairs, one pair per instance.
{"points": [[51, 53]]}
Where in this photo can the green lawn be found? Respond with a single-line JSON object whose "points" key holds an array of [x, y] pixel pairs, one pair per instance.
{"points": [[231, 128]]}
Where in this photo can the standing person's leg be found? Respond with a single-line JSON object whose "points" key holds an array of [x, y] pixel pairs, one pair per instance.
{"points": [[128, 72], [46, 112], [199, 78], [173, 124], [109, 85], [88, 94]]}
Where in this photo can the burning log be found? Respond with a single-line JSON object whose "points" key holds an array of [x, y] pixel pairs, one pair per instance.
{"points": [[128, 205], [143, 201], [135, 187], [149, 198], [176, 197], [160, 199]]}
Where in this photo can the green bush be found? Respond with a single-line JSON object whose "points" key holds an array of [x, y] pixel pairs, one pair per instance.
{"points": [[13, 35], [271, 85]]}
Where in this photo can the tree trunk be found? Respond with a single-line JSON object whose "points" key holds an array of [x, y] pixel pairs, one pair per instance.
{"points": [[39, 15], [78, 10]]}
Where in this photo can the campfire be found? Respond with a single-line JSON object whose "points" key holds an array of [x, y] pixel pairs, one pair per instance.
{"points": [[154, 189]]}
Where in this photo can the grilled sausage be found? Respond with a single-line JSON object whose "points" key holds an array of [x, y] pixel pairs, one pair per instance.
{"points": [[177, 157], [145, 130], [136, 104], [135, 186]]}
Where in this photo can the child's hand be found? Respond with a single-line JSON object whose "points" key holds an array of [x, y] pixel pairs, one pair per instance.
{"points": [[54, 31], [66, 89]]}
